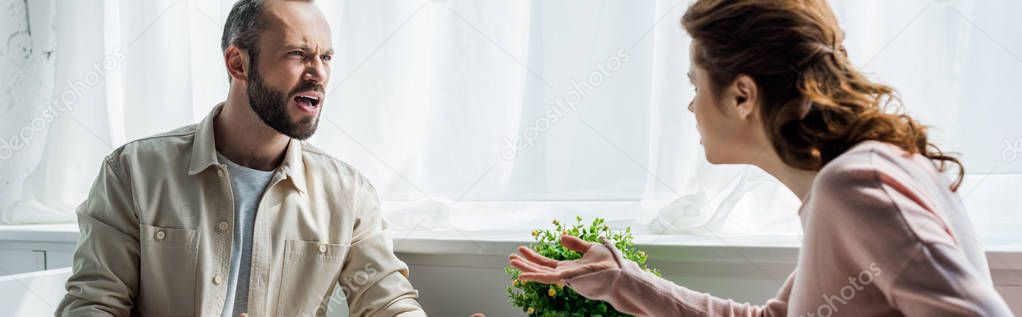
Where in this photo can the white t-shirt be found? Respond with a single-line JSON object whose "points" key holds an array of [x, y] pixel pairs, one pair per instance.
{"points": [[247, 186]]}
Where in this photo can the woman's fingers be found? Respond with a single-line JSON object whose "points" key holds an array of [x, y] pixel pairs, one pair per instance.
{"points": [[526, 266], [538, 268], [537, 258], [576, 244], [565, 273], [545, 278]]}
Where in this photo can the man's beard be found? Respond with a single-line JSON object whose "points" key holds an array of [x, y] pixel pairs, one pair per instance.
{"points": [[271, 106]]}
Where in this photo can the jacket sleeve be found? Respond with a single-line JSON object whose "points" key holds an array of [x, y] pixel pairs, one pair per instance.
{"points": [[104, 277], [375, 281], [634, 291]]}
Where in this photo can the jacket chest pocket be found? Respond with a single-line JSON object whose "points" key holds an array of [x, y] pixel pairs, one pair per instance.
{"points": [[167, 271], [310, 272]]}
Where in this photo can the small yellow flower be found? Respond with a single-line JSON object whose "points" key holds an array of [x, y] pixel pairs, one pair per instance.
{"points": [[535, 233], [551, 292], [642, 253], [530, 311], [556, 223], [564, 232], [514, 283]]}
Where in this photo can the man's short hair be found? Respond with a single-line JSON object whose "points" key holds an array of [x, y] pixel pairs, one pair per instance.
{"points": [[243, 26]]}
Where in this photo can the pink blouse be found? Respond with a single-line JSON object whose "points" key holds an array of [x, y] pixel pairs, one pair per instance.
{"points": [[883, 236]]}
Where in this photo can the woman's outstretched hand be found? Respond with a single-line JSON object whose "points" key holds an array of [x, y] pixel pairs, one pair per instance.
{"points": [[538, 268]]}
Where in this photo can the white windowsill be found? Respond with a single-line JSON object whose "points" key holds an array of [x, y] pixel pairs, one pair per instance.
{"points": [[39, 233], [665, 248]]}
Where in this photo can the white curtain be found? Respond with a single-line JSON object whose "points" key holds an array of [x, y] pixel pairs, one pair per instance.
{"points": [[502, 113]]}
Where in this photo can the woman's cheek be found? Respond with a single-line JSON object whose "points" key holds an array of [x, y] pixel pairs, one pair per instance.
{"points": [[700, 117]]}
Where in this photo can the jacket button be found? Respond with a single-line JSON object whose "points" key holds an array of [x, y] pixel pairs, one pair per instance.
{"points": [[223, 226], [217, 280], [160, 235], [322, 248], [220, 172]]}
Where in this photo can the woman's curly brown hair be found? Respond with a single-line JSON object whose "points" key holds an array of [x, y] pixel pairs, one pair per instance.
{"points": [[816, 104]]}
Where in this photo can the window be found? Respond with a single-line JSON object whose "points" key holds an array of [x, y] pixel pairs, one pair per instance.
{"points": [[513, 112]]}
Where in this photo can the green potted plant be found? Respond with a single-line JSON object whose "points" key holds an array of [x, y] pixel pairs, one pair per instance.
{"points": [[537, 299]]}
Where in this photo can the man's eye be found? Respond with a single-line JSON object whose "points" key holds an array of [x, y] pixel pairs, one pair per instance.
{"points": [[296, 53], [327, 57]]}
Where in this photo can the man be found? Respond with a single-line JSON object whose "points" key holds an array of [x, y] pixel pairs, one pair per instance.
{"points": [[236, 214]]}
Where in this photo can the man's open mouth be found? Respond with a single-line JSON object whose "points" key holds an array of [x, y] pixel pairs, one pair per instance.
{"points": [[308, 101]]}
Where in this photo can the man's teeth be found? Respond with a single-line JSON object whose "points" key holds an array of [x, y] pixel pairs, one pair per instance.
{"points": [[313, 100]]}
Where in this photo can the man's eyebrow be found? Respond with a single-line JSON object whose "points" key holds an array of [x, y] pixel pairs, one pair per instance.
{"points": [[305, 48]]}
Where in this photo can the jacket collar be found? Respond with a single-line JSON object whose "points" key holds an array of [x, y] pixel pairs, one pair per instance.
{"points": [[204, 152]]}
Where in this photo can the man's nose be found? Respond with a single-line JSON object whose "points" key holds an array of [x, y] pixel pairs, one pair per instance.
{"points": [[315, 71]]}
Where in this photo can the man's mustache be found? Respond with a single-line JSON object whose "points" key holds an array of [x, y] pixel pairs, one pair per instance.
{"points": [[307, 86]]}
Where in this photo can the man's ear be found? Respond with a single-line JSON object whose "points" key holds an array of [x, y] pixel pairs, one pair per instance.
{"points": [[237, 62], [746, 95]]}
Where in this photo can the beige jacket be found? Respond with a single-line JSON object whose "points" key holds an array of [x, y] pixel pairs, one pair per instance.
{"points": [[156, 236]]}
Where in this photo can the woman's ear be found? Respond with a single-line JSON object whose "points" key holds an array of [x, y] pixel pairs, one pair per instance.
{"points": [[746, 95], [237, 63]]}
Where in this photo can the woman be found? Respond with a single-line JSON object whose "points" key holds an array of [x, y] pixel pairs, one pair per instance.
{"points": [[884, 232]]}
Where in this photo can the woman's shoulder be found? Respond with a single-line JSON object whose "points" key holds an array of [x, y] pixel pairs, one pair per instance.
{"points": [[880, 179], [881, 184], [876, 163]]}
